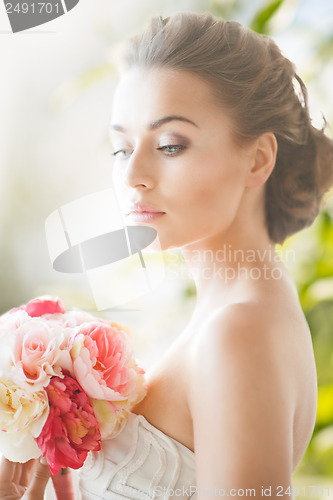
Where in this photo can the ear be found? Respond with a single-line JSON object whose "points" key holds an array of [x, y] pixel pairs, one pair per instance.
{"points": [[263, 160]]}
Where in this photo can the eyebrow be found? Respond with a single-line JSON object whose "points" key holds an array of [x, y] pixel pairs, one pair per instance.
{"points": [[158, 123]]}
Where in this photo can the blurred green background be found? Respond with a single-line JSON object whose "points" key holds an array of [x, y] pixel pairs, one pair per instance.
{"points": [[55, 95]]}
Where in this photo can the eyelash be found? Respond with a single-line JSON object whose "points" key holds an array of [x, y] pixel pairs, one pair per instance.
{"points": [[179, 148], [116, 153]]}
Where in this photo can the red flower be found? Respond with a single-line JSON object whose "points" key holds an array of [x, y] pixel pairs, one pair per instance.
{"points": [[71, 429], [44, 305]]}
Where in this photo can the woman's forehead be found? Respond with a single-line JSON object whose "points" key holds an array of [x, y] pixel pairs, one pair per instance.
{"points": [[150, 94]]}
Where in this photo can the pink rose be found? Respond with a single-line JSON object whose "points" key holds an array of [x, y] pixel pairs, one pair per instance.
{"points": [[11, 320], [102, 361], [71, 429], [36, 349], [9, 324]]}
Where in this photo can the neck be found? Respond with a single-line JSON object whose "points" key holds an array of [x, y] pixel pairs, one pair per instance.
{"points": [[224, 269]]}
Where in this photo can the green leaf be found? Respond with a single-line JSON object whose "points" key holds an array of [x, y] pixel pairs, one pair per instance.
{"points": [[263, 16], [325, 405]]}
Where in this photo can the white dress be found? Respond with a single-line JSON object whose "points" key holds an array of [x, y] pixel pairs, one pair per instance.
{"points": [[140, 462]]}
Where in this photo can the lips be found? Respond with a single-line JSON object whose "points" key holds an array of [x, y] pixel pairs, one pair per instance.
{"points": [[142, 208]]}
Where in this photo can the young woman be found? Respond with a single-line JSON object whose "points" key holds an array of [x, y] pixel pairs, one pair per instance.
{"points": [[214, 148]]}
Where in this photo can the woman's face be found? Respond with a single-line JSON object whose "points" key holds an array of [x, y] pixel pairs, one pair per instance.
{"points": [[175, 153]]}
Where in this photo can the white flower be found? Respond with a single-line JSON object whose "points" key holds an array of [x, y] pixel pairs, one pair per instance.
{"points": [[22, 417]]}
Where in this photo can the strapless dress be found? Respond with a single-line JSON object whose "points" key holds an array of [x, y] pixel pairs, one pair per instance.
{"points": [[141, 463]]}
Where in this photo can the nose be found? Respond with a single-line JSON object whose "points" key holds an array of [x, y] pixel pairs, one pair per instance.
{"points": [[138, 172]]}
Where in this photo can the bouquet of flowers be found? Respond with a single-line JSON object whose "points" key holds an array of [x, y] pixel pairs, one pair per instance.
{"points": [[67, 381]]}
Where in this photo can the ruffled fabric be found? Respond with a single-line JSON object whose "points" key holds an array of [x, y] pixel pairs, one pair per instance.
{"points": [[139, 463]]}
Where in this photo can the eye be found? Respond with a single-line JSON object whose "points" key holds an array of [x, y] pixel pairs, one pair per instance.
{"points": [[172, 149], [122, 153]]}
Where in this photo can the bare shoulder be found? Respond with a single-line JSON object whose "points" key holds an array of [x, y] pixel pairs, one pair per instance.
{"points": [[253, 329], [244, 340], [269, 330], [247, 365]]}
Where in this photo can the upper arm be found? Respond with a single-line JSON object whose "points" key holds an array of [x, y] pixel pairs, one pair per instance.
{"points": [[241, 404]]}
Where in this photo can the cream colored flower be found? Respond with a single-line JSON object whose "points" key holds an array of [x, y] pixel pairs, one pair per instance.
{"points": [[22, 416]]}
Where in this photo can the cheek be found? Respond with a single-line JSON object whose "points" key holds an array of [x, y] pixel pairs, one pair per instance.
{"points": [[213, 186]]}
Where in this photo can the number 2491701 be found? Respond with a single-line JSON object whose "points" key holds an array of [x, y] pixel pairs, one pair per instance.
{"points": [[32, 8]]}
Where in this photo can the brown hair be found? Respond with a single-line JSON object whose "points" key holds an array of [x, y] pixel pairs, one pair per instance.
{"points": [[252, 78]]}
